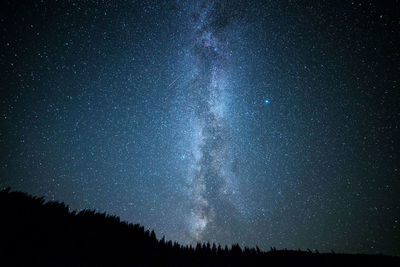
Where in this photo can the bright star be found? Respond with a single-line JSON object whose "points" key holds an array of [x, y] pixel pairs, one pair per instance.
{"points": [[266, 101]]}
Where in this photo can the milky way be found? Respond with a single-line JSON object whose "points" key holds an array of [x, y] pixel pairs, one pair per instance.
{"points": [[210, 177], [268, 123]]}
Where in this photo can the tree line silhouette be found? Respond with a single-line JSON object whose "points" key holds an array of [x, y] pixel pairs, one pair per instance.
{"points": [[34, 232]]}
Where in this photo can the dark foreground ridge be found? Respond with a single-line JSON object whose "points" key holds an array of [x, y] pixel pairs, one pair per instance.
{"points": [[39, 233]]}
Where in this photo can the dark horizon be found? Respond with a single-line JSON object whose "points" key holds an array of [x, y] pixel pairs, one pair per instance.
{"points": [[20, 208], [257, 123], [39, 233]]}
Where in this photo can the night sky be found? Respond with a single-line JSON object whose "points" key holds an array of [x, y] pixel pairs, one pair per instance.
{"points": [[252, 122]]}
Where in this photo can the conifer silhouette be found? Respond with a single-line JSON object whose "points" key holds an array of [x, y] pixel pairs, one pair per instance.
{"points": [[34, 232]]}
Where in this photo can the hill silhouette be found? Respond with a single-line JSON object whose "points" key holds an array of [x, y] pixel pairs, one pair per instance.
{"points": [[34, 232]]}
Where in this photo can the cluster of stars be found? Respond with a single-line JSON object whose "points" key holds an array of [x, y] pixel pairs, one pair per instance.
{"points": [[269, 124]]}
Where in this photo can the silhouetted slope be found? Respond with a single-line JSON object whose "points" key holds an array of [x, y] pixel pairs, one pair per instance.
{"points": [[38, 233]]}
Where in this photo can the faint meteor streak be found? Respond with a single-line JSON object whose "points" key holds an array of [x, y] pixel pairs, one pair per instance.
{"points": [[174, 81]]}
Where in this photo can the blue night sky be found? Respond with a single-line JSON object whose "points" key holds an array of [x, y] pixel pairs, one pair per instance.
{"points": [[269, 123]]}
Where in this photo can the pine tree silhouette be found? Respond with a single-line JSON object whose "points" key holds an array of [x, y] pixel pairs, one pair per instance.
{"points": [[34, 232]]}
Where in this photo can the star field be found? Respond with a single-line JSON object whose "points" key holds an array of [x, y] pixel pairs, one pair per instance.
{"points": [[251, 122]]}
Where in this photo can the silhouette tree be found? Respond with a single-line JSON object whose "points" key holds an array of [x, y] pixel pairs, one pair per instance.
{"points": [[34, 232]]}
